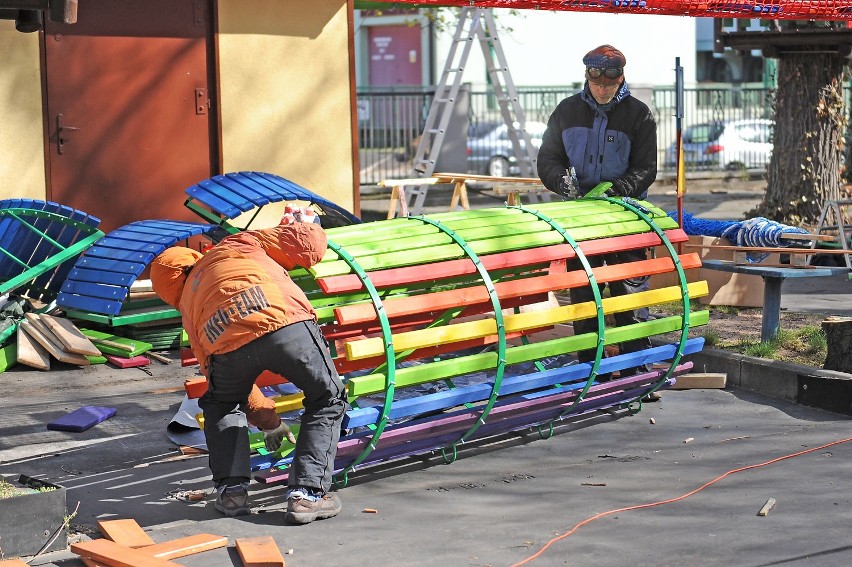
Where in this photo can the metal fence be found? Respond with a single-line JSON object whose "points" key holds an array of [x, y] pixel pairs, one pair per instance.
{"points": [[391, 121]]}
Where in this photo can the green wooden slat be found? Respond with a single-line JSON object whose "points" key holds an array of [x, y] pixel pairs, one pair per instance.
{"points": [[8, 356], [489, 246], [373, 383]]}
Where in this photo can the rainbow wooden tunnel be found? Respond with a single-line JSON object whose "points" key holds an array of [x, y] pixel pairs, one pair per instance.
{"points": [[441, 328]]}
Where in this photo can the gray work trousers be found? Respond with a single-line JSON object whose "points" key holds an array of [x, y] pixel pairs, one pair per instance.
{"points": [[616, 288], [300, 353]]}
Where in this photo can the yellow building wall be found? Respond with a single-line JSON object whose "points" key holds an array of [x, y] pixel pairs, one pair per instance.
{"points": [[285, 92], [22, 172]]}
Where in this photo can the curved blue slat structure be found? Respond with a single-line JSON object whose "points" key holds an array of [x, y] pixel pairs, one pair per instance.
{"points": [[233, 194], [35, 248], [101, 278]]}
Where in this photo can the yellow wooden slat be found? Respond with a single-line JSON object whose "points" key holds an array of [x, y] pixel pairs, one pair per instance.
{"points": [[423, 338]]}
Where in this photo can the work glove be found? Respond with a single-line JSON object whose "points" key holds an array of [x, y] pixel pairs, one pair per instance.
{"points": [[299, 214], [273, 438], [568, 185]]}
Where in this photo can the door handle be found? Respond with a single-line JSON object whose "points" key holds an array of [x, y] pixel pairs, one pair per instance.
{"points": [[60, 140]]}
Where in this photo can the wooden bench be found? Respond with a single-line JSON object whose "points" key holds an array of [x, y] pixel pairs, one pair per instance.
{"points": [[773, 277]]}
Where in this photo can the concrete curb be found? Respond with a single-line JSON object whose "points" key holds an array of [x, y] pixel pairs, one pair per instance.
{"points": [[805, 385]]}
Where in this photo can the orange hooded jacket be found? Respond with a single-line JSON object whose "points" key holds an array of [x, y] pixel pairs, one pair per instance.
{"points": [[240, 290]]}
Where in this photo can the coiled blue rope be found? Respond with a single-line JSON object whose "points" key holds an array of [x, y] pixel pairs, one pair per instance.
{"points": [[758, 232]]}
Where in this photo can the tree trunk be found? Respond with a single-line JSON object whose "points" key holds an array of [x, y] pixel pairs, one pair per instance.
{"points": [[810, 118], [838, 334]]}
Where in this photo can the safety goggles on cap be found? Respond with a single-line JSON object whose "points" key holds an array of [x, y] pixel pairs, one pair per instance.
{"points": [[610, 73]]}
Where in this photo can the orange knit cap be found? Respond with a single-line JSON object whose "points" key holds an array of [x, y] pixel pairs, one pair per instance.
{"points": [[168, 272]]}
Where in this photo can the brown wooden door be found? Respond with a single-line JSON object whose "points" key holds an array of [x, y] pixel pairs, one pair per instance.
{"points": [[130, 118]]}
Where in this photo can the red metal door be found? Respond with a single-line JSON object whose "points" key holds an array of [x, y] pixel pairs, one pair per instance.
{"points": [[129, 119], [395, 55]]}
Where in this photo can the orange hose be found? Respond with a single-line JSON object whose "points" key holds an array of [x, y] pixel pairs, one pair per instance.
{"points": [[670, 500]]}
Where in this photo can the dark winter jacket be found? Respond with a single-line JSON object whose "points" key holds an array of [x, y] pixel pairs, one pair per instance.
{"points": [[616, 142]]}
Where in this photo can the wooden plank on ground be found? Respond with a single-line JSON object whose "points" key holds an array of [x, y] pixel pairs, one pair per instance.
{"points": [[259, 552], [45, 338], [31, 352], [184, 546], [125, 532], [69, 335], [701, 381], [13, 563], [113, 554]]}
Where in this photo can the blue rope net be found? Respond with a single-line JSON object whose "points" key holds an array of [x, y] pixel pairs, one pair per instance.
{"points": [[756, 232]]}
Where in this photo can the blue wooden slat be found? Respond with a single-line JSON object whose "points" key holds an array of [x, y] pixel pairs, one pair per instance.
{"points": [[235, 199], [88, 304], [96, 290], [512, 385], [108, 265], [148, 235], [212, 201], [118, 244], [240, 189], [120, 255], [235, 193], [268, 193], [101, 278], [34, 249]]}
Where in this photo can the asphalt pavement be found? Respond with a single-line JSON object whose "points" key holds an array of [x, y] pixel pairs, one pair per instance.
{"points": [[680, 482]]}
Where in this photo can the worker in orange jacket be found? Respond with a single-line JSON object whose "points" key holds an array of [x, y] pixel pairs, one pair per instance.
{"points": [[244, 315]]}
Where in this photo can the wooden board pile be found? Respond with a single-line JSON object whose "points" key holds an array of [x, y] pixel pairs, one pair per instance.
{"points": [[44, 337]]}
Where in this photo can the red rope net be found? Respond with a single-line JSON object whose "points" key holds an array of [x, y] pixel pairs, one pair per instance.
{"points": [[766, 9]]}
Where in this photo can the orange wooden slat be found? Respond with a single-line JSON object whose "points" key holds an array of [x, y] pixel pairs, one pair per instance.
{"points": [[491, 262], [184, 546], [402, 306], [195, 387], [125, 532], [259, 552], [116, 555]]}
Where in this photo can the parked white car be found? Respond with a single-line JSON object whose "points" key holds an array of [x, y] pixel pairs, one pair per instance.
{"points": [[735, 144]]}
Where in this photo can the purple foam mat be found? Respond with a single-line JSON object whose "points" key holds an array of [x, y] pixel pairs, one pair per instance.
{"points": [[81, 419]]}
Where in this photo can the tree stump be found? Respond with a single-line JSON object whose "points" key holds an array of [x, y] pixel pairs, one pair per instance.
{"points": [[838, 334]]}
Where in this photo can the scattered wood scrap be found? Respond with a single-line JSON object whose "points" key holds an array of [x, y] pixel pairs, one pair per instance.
{"points": [[32, 353], [770, 504], [69, 335], [42, 335], [701, 381], [259, 552], [126, 544], [125, 532]]}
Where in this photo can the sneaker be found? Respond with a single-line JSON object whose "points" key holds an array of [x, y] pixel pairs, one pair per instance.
{"points": [[233, 500], [303, 507]]}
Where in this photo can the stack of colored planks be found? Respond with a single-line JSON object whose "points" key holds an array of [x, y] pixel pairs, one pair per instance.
{"points": [[428, 325]]}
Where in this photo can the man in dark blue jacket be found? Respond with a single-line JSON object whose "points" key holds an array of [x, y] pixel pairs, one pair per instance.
{"points": [[604, 134]]}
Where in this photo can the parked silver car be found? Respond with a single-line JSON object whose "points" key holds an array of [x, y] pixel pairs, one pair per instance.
{"points": [[734, 144], [489, 149]]}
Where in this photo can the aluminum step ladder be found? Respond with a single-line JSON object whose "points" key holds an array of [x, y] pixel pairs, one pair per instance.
{"points": [[832, 212], [474, 25]]}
